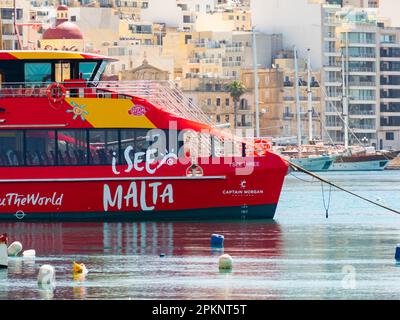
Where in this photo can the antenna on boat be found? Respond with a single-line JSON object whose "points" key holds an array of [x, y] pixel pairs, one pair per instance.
{"points": [[309, 94], [298, 106]]}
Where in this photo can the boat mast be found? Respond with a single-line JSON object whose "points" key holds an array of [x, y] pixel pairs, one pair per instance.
{"points": [[309, 94], [256, 93], [298, 106], [345, 106]]}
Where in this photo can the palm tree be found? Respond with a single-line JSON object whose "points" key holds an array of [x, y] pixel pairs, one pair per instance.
{"points": [[236, 89]]}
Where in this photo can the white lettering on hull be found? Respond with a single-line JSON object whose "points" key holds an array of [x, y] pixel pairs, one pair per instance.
{"points": [[133, 198], [36, 199]]}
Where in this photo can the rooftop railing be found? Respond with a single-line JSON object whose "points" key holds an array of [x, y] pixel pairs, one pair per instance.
{"points": [[163, 94]]}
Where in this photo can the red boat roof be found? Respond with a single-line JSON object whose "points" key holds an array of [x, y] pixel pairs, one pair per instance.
{"points": [[50, 55]]}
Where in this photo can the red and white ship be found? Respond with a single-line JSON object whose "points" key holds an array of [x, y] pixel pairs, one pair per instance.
{"points": [[74, 148]]}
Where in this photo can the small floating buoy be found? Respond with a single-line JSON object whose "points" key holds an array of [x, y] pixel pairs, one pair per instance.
{"points": [[225, 262], [217, 240], [379, 199], [3, 251], [80, 268], [47, 275], [29, 253], [397, 256], [14, 249]]}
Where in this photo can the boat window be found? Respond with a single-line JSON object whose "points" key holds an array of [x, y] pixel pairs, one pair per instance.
{"points": [[40, 148], [11, 148], [38, 72], [63, 71], [103, 144], [72, 147], [137, 139], [86, 70]]}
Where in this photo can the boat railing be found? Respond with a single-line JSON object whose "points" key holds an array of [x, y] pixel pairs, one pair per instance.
{"points": [[165, 94]]}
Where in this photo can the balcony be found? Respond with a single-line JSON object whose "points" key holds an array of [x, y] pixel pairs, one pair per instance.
{"points": [[244, 124], [232, 64], [390, 68], [362, 84], [288, 115], [361, 69], [288, 84], [288, 98], [390, 107]]}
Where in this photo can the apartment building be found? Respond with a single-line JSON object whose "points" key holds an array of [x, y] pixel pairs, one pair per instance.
{"points": [[357, 35], [8, 37], [389, 129]]}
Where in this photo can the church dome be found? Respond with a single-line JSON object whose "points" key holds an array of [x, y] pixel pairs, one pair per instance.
{"points": [[65, 30]]}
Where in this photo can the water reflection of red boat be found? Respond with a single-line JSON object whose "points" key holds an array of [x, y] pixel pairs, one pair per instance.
{"points": [[247, 239]]}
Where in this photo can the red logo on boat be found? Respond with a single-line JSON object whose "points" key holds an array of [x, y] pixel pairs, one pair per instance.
{"points": [[137, 111]]}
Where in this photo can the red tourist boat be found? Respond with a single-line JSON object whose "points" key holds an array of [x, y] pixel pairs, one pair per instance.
{"points": [[74, 148]]}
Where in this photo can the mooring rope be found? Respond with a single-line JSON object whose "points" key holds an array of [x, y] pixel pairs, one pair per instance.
{"points": [[326, 206], [300, 169]]}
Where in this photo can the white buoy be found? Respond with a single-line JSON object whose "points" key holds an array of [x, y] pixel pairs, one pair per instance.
{"points": [[14, 249], [46, 275], [3, 251], [29, 253], [225, 262]]}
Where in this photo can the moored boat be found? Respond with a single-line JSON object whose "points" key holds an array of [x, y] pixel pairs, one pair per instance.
{"points": [[314, 164], [75, 148], [364, 162]]}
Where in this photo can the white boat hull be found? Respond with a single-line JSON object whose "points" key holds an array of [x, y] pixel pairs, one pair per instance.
{"points": [[314, 164], [375, 165]]}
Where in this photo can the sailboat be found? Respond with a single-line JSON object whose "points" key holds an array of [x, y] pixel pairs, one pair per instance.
{"points": [[311, 157]]}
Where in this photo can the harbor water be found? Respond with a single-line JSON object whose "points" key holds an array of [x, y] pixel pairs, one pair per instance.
{"points": [[301, 255]]}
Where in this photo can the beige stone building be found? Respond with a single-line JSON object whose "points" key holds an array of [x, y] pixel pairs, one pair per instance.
{"points": [[145, 72], [212, 96], [277, 98]]}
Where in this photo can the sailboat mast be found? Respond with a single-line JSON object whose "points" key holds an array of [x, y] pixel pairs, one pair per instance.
{"points": [[345, 106], [256, 90], [309, 94], [298, 106]]}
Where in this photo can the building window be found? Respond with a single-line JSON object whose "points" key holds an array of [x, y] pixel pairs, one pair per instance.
{"points": [[227, 102], [390, 136], [209, 101], [227, 118], [218, 102]]}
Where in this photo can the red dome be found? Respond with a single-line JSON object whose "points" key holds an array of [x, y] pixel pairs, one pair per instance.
{"points": [[62, 8], [65, 30]]}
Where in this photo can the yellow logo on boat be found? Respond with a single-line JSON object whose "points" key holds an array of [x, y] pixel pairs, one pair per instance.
{"points": [[110, 113]]}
